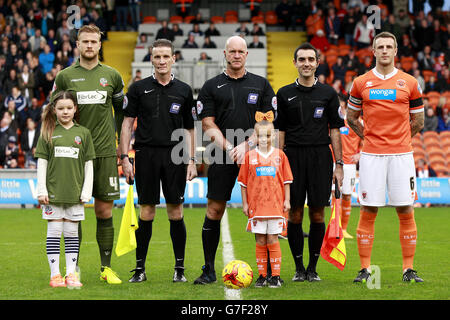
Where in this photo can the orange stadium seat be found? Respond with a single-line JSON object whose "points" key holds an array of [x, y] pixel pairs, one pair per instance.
{"points": [[431, 141], [149, 19], [258, 19], [434, 151], [441, 170], [188, 19], [331, 58], [444, 134], [349, 75], [176, 19], [363, 53], [427, 134], [271, 18], [447, 158], [419, 153], [436, 160], [231, 19], [217, 19], [427, 74], [231, 13], [343, 50]]}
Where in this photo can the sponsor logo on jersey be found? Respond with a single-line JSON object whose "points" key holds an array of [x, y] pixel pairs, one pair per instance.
{"points": [[78, 140], [77, 80], [268, 171], [318, 112], [344, 130], [103, 82], [368, 84], [252, 98], [383, 94], [175, 108], [67, 152], [92, 97]]}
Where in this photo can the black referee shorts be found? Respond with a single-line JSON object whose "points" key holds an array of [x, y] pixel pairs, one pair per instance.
{"points": [[312, 168], [155, 169], [221, 180]]}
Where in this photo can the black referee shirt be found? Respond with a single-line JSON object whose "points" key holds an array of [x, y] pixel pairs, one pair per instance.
{"points": [[307, 113], [159, 110], [234, 102]]}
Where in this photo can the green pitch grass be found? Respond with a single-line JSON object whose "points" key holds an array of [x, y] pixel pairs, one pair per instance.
{"points": [[24, 270]]}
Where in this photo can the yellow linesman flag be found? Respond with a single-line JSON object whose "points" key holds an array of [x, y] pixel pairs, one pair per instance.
{"points": [[333, 245], [127, 238]]}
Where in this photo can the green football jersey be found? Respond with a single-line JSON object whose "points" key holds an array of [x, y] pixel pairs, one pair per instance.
{"points": [[66, 157], [97, 91]]}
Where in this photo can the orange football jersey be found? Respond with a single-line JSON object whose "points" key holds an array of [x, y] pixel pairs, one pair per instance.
{"points": [[264, 176], [386, 103], [350, 143]]}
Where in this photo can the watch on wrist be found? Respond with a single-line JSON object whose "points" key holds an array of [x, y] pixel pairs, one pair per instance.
{"points": [[229, 147], [123, 156], [251, 144], [193, 159], [340, 162]]}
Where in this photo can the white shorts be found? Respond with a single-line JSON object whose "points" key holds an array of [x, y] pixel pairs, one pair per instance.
{"points": [[394, 174], [266, 226], [73, 213], [348, 183]]}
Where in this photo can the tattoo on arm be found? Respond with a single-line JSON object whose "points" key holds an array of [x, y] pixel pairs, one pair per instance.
{"points": [[354, 123], [416, 123]]}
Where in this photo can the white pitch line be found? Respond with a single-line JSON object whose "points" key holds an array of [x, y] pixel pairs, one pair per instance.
{"points": [[228, 255]]}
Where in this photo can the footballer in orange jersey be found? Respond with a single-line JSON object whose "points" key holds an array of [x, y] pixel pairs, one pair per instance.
{"points": [[392, 107]]}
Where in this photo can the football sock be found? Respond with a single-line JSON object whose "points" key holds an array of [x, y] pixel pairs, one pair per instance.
{"points": [[346, 208], [210, 240], [408, 236], [54, 232], [315, 239], [365, 234], [178, 235], [105, 240], [143, 236], [72, 245], [296, 243], [79, 241], [275, 258], [261, 259]]}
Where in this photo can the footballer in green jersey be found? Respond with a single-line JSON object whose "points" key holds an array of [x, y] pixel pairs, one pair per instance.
{"points": [[99, 91]]}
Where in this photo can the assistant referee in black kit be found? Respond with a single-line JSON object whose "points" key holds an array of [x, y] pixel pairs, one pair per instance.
{"points": [[228, 102], [308, 120], [161, 104]]}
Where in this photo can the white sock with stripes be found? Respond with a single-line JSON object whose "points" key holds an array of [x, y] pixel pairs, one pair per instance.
{"points": [[54, 231], [72, 245]]}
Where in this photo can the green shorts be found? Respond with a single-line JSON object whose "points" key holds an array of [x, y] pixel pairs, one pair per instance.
{"points": [[106, 179]]}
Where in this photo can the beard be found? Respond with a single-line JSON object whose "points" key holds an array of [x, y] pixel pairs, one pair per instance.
{"points": [[89, 56]]}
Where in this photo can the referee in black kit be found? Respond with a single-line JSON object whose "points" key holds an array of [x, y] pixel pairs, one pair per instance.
{"points": [[228, 102], [308, 120], [162, 104]]}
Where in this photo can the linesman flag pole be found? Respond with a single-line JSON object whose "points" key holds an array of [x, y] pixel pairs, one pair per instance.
{"points": [[333, 245], [126, 241]]}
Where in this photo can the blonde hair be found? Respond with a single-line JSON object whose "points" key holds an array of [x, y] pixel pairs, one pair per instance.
{"points": [[90, 29], [49, 116], [263, 123]]}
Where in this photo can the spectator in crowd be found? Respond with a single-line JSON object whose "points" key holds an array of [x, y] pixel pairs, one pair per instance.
{"points": [[47, 22], [134, 7], [392, 26], [332, 26], [443, 118], [35, 41], [142, 42], [35, 110], [284, 13], [299, 14], [339, 69], [176, 30], [424, 34], [405, 48], [204, 57], [351, 61], [190, 42], [13, 56], [165, 32], [63, 30], [430, 121], [419, 78], [443, 81], [212, 30], [18, 109], [314, 22], [322, 68], [208, 44], [10, 82], [432, 85], [121, 7], [439, 36], [6, 131], [3, 71], [178, 56], [148, 56], [257, 30], [46, 59], [198, 19], [242, 30], [424, 170], [364, 33], [256, 44], [348, 26], [196, 30], [11, 153], [320, 41], [101, 24], [402, 20], [28, 141], [52, 41], [61, 59]]}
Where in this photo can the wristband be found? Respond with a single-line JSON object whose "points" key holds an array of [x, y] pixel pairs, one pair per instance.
{"points": [[123, 156], [340, 162]]}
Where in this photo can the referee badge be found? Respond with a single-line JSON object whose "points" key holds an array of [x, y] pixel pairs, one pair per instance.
{"points": [[318, 113], [252, 98], [175, 108]]}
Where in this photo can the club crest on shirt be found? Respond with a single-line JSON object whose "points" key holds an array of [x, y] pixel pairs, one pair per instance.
{"points": [[252, 98], [78, 140], [103, 82], [199, 107], [318, 112], [401, 83]]}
